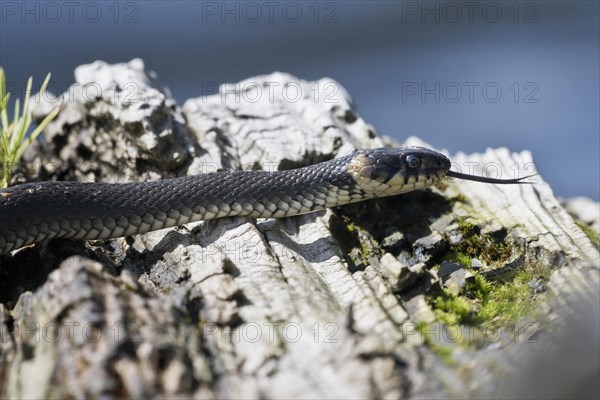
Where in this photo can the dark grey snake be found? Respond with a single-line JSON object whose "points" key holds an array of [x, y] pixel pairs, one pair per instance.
{"points": [[34, 212]]}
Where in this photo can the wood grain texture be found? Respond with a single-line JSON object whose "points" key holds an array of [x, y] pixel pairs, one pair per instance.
{"points": [[323, 305]]}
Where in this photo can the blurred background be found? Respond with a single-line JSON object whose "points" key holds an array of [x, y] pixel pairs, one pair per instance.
{"points": [[460, 75]]}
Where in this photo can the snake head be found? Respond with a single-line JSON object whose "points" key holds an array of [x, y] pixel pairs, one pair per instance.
{"points": [[387, 172]]}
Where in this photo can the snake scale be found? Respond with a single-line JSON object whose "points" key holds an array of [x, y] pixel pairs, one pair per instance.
{"points": [[34, 212]]}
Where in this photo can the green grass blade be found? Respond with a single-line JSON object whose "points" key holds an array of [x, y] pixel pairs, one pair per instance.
{"points": [[26, 116], [27, 94], [3, 87], [4, 120], [45, 83], [13, 134], [37, 131], [15, 127]]}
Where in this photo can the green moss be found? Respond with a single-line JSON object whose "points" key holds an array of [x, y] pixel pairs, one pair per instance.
{"points": [[480, 289], [464, 225], [459, 198], [356, 242], [488, 302], [491, 249], [505, 305], [590, 233], [494, 299], [369, 247], [509, 296], [461, 258], [345, 234], [491, 302], [444, 352], [453, 310]]}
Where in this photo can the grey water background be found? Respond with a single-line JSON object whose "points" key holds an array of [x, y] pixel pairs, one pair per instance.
{"points": [[462, 76]]}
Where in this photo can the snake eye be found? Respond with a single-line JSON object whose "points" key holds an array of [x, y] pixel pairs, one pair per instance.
{"points": [[413, 161]]}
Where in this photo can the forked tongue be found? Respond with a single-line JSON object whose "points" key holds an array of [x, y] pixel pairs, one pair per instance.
{"points": [[485, 179]]}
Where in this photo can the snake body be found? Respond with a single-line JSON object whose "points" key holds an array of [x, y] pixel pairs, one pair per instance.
{"points": [[35, 212]]}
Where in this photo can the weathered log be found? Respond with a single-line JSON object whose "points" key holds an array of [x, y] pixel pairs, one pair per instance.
{"points": [[342, 303]]}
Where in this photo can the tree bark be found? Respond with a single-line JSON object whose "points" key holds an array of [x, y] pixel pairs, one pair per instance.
{"points": [[335, 304]]}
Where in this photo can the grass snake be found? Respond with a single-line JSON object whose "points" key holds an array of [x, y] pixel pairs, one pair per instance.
{"points": [[34, 212]]}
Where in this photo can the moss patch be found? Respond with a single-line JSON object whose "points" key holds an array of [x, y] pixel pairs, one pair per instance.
{"points": [[493, 303], [490, 248], [502, 292], [430, 339], [357, 243], [453, 310], [590, 233], [499, 296], [459, 198], [367, 246]]}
